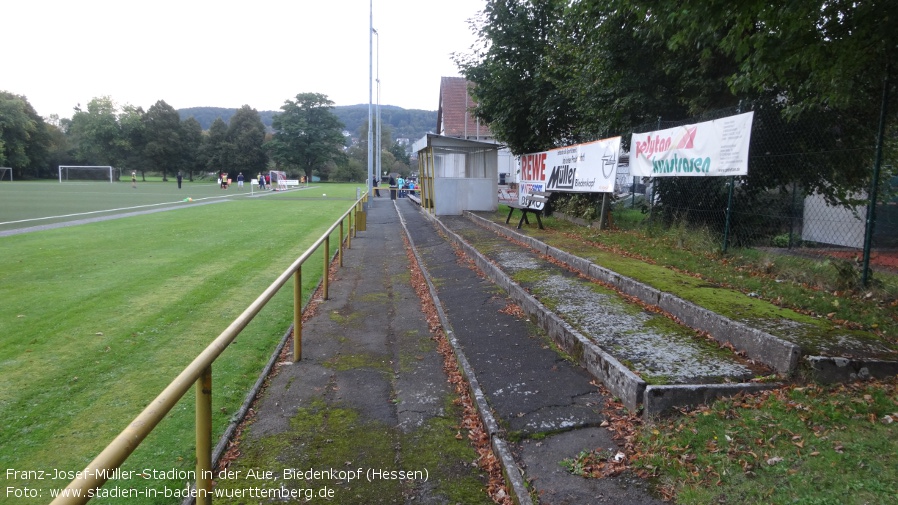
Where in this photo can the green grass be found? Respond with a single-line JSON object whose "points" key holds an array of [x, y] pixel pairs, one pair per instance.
{"points": [[98, 318], [806, 444], [756, 287]]}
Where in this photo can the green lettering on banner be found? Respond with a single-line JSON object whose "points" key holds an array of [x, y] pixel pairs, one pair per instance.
{"points": [[681, 165]]}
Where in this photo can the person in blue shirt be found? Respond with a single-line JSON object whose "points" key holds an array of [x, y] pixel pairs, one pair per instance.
{"points": [[401, 182]]}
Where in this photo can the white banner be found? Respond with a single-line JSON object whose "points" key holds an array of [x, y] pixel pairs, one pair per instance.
{"points": [[713, 148], [580, 168]]}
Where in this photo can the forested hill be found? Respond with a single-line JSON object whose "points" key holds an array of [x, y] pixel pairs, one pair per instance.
{"points": [[408, 123]]}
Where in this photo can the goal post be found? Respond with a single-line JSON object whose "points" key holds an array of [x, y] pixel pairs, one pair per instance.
{"points": [[88, 173], [3, 171], [278, 180]]}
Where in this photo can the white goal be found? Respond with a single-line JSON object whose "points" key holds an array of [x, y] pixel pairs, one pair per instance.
{"points": [[89, 173], [279, 180], [3, 171]]}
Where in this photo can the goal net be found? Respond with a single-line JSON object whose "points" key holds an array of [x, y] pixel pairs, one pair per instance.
{"points": [[4, 171], [88, 173], [279, 180]]}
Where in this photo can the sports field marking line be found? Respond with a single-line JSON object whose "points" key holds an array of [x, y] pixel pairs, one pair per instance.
{"points": [[115, 210]]}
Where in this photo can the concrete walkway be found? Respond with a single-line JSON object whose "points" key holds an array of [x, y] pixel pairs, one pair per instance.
{"points": [[370, 397]]}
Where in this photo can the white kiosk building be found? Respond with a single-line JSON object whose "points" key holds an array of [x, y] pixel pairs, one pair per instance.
{"points": [[459, 168]]}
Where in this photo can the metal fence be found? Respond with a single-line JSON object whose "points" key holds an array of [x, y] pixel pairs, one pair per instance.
{"points": [[808, 188], [198, 374]]}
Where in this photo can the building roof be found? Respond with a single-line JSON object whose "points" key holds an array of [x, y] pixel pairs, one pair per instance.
{"points": [[454, 117]]}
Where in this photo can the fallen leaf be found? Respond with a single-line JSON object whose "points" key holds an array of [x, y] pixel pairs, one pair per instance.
{"points": [[774, 460]]}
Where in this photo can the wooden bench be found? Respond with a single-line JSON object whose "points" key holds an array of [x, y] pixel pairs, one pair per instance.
{"points": [[534, 203]]}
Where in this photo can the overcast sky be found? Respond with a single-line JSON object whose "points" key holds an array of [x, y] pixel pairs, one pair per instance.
{"points": [[228, 53]]}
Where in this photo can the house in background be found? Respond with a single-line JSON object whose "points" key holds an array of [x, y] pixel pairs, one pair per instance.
{"points": [[454, 119], [460, 167]]}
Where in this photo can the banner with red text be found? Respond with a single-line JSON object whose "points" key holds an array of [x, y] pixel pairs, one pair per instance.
{"points": [[580, 168], [713, 148]]}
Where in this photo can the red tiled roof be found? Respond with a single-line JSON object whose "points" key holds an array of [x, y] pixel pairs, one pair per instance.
{"points": [[454, 111]]}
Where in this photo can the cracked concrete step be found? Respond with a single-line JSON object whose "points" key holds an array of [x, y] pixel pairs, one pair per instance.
{"points": [[608, 334]]}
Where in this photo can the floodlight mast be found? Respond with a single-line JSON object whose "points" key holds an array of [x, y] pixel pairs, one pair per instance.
{"points": [[371, 33]]}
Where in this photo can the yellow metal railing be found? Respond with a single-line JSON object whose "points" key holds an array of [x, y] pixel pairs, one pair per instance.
{"points": [[199, 374]]}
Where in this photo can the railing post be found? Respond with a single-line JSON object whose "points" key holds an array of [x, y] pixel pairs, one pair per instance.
{"points": [[297, 315], [340, 244], [204, 437], [327, 254], [349, 232]]}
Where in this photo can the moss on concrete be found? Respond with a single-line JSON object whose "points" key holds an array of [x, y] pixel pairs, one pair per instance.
{"points": [[323, 437]]}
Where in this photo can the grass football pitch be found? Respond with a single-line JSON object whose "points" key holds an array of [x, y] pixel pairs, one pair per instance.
{"points": [[98, 317]]}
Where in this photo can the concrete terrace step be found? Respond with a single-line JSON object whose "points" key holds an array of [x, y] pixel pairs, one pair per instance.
{"points": [[644, 358], [785, 344]]}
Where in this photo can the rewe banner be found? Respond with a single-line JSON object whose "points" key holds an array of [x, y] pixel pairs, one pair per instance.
{"points": [[580, 168], [713, 148]]}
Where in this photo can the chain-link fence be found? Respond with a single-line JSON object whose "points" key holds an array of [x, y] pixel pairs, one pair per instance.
{"points": [[808, 188]]}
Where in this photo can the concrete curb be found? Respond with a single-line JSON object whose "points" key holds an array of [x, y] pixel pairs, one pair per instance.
{"points": [[513, 473], [833, 369], [659, 399], [773, 351], [622, 382]]}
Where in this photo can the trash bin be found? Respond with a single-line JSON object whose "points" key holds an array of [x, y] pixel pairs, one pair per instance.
{"points": [[393, 191]]}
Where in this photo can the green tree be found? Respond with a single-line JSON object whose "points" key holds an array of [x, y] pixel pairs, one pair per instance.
{"points": [[162, 130], [245, 138], [96, 132], [24, 136], [133, 141], [810, 53], [192, 137], [514, 81], [105, 134], [389, 161], [216, 149], [307, 135]]}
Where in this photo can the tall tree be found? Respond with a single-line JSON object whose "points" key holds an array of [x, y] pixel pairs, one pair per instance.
{"points": [[133, 138], [513, 81], [97, 133], [307, 135], [389, 160], [811, 53], [216, 149], [24, 137], [162, 130], [192, 138], [246, 136]]}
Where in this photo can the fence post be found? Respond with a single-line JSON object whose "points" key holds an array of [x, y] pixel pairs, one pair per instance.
{"points": [[349, 232], [340, 244], [204, 437], [726, 228], [297, 315], [327, 247], [874, 186], [792, 213]]}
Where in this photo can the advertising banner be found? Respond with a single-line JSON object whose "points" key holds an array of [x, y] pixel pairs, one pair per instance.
{"points": [[580, 168], [713, 148]]}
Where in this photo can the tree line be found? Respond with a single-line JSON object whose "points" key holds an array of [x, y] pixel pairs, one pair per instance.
{"points": [[548, 73], [305, 139], [406, 123]]}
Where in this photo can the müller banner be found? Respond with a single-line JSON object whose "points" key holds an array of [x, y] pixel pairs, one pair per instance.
{"points": [[713, 148], [580, 168]]}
